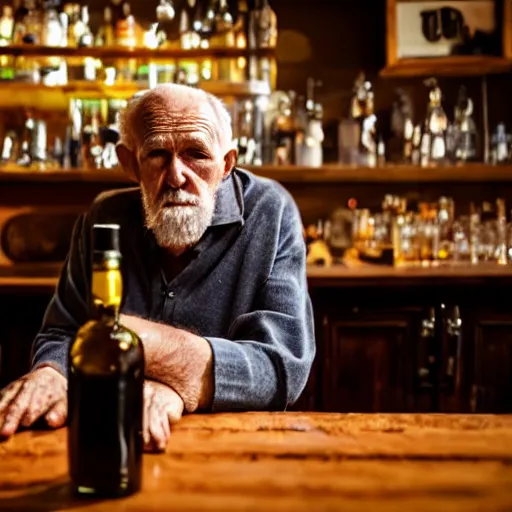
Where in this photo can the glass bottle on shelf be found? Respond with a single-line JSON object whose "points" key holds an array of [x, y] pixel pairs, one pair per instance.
{"points": [[91, 146], [19, 29], [223, 26], [119, 9], [6, 38], [262, 33], [106, 31], [416, 145], [208, 22], [363, 111], [402, 128], [436, 126], [38, 145], [76, 26], [284, 129], [197, 25], [501, 232], [445, 220], [165, 14], [189, 38], [33, 22], [24, 158], [75, 30], [52, 35], [6, 25], [7, 148], [86, 38], [240, 32], [244, 134], [125, 28], [465, 128], [72, 154], [126, 37], [223, 36], [52, 28], [262, 26], [500, 152]]}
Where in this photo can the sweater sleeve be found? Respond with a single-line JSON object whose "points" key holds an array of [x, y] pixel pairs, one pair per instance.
{"points": [[68, 309], [267, 358]]}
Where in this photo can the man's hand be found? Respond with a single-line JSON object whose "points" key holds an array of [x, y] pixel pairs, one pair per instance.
{"points": [[162, 407], [40, 393]]}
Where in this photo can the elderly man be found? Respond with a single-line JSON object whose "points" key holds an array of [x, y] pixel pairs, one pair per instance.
{"points": [[213, 268]]}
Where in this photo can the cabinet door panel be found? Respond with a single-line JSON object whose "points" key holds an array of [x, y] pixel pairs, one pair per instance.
{"points": [[492, 388], [367, 365]]}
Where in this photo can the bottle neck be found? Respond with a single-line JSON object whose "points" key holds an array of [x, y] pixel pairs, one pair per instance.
{"points": [[107, 287]]}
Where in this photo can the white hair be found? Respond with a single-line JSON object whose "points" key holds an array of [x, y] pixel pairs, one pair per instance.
{"points": [[128, 127]]}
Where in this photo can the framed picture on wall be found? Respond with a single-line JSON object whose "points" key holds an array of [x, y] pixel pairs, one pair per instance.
{"points": [[442, 28], [448, 37]]}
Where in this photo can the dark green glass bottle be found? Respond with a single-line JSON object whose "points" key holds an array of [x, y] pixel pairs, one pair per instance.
{"points": [[105, 388]]}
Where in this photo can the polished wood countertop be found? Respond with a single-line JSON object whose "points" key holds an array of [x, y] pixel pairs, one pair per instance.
{"points": [[289, 461]]}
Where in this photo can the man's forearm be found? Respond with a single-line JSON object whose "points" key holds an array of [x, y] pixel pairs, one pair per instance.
{"points": [[177, 358]]}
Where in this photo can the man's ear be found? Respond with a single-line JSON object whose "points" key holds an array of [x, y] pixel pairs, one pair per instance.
{"points": [[230, 159], [128, 162]]}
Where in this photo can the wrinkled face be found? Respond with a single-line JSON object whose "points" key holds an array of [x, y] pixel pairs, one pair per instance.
{"points": [[181, 162]]}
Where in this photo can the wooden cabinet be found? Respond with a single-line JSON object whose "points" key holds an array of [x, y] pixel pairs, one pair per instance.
{"points": [[491, 389], [432, 348], [367, 361]]}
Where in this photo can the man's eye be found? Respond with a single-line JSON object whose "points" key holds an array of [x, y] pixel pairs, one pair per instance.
{"points": [[157, 153], [196, 154]]}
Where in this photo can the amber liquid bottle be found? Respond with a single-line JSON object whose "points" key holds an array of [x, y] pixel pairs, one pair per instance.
{"points": [[105, 391]]}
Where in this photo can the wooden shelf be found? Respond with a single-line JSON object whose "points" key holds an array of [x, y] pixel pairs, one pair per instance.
{"points": [[371, 276], [41, 97], [335, 276], [459, 65], [19, 94], [472, 173], [120, 52], [389, 174]]}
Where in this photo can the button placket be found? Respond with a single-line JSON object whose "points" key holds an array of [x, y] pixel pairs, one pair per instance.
{"points": [[169, 304]]}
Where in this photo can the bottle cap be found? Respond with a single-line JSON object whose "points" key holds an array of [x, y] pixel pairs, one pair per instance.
{"points": [[106, 238]]}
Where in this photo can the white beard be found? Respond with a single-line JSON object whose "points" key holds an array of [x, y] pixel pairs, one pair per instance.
{"points": [[178, 227]]}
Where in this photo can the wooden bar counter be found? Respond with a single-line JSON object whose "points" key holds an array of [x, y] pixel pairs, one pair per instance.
{"points": [[289, 461]]}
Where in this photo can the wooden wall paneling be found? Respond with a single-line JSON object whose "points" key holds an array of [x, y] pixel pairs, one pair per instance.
{"points": [[507, 29], [391, 39]]}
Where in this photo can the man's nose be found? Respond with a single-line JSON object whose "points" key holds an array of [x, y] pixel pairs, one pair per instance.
{"points": [[175, 173]]}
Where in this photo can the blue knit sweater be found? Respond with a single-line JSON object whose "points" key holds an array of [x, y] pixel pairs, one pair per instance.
{"points": [[245, 290]]}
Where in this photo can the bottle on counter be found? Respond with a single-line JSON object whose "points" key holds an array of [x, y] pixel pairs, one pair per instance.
{"points": [[105, 393]]}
